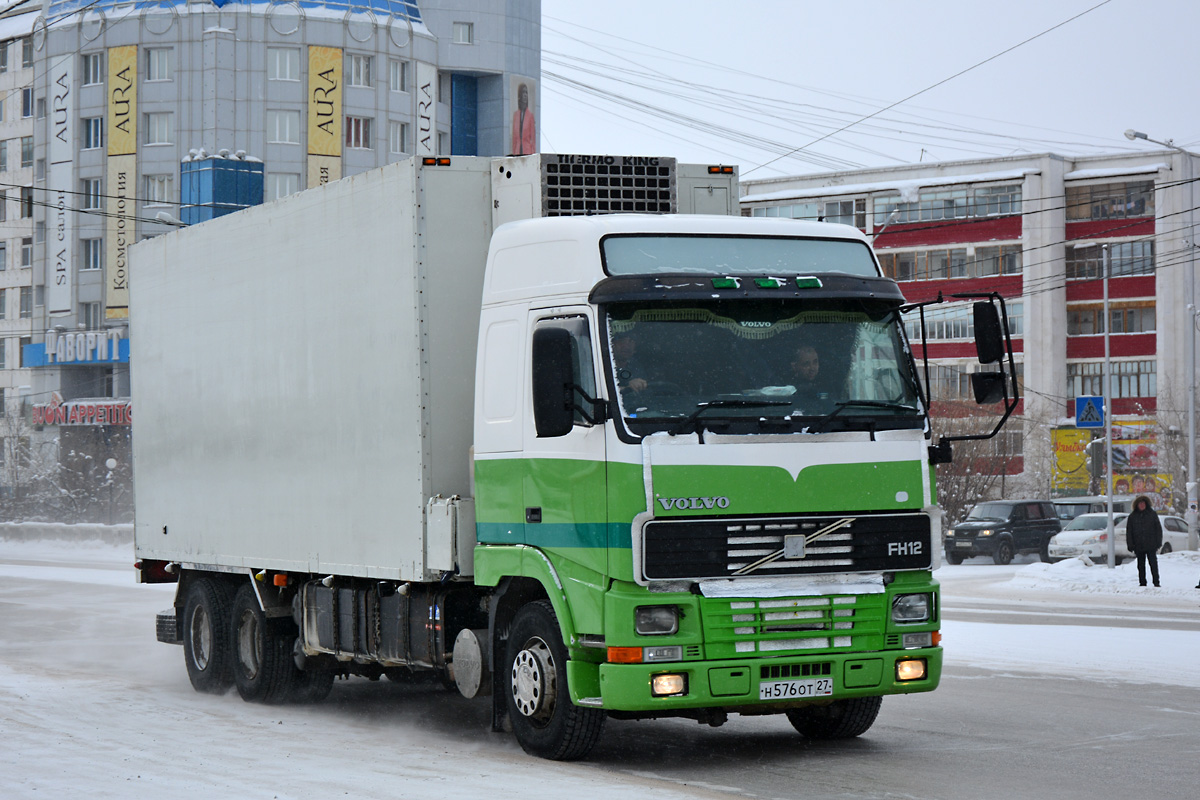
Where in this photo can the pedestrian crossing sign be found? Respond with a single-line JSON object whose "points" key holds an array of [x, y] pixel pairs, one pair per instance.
{"points": [[1089, 412]]}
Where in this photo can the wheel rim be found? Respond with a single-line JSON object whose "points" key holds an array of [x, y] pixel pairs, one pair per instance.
{"points": [[249, 645], [533, 681], [201, 630]]}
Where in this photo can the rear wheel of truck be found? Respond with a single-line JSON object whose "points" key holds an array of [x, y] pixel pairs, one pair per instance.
{"points": [[841, 719], [544, 720], [206, 649], [262, 651]]}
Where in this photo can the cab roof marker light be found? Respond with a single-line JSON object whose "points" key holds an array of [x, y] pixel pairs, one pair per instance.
{"points": [[769, 283], [728, 282], [808, 282]]}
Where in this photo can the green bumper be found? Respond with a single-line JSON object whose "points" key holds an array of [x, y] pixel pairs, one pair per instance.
{"points": [[736, 682]]}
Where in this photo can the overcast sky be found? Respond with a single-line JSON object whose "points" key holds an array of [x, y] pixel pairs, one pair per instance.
{"points": [[745, 82]]}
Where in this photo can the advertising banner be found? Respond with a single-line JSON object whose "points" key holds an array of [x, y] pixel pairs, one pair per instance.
{"points": [[324, 115], [121, 179], [1070, 461], [60, 228], [426, 111]]}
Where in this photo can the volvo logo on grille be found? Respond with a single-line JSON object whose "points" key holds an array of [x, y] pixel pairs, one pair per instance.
{"points": [[689, 503]]}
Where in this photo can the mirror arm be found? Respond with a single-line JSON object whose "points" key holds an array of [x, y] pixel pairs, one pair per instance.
{"points": [[599, 411]]}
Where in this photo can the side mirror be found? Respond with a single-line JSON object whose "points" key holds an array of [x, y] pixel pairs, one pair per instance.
{"points": [[989, 334], [553, 414], [988, 387]]}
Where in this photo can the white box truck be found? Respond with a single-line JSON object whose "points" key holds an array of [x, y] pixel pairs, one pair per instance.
{"points": [[456, 418]]}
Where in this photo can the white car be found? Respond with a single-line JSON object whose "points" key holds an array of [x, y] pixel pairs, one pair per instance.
{"points": [[1086, 536]]}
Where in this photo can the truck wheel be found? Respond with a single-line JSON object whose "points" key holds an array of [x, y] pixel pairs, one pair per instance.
{"points": [[953, 557], [309, 686], [206, 635], [262, 651], [1003, 553], [841, 719], [545, 721]]}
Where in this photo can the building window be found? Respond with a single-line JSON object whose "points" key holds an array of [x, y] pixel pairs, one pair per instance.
{"points": [[464, 33], [26, 103], [92, 194], [3, 56], [283, 127], [3, 304], [846, 212], [40, 107], [89, 315], [1088, 320], [3, 256], [2, 118], [3, 154], [93, 132], [27, 52], [1128, 379], [1005, 260], [93, 254], [949, 203], [283, 64], [810, 211], [1110, 201], [158, 64], [93, 65], [932, 265], [26, 311], [281, 184], [158, 127], [27, 202], [158, 190], [27, 251], [3, 208], [1128, 258], [39, 169], [397, 137], [358, 132], [39, 232], [398, 75], [359, 72], [26, 151], [957, 321]]}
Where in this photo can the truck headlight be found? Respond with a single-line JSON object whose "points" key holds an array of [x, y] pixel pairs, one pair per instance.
{"points": [[656, 620], [911, 608], [668, 685], [986, 532]]}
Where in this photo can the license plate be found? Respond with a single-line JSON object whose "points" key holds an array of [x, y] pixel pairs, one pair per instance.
{"points": [[962, 544], [790, 690], [1066, 551]]}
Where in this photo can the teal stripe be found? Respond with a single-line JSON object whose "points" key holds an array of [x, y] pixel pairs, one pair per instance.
{"points": [[551, 534]]}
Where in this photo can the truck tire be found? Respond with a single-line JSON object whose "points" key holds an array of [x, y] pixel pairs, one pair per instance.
{"points": [[1003, 554], [544, 720], [206, 649], [953, 557], [262, 651], [309, 686], [841, 719]]}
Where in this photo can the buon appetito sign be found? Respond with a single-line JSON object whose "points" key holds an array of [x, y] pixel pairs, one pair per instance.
{"points": [[83, 412]]}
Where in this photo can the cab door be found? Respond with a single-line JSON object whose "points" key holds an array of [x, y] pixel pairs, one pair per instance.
{"points": [[564, 481]]}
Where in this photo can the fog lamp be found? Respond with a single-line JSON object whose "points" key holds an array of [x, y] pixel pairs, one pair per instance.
{"points": [[910, 669], [668, 684], [656, 620]]}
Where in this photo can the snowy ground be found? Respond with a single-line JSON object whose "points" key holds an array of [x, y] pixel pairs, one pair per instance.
{"points": [[111, 713]]}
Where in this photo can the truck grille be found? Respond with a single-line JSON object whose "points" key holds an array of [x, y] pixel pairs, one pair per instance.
{"points": [[792, 625], [674, 549], [573, 185]]}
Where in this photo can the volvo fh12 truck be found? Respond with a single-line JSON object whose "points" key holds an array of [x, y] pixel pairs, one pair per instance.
{"points": [[454, 418]]}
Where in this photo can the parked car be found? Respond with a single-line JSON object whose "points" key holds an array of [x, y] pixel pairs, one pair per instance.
{"points": [[1087, 535], [1001, 529], [1072, 507]]}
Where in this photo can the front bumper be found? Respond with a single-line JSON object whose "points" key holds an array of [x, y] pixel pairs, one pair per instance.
{"points": [[1096, 552], [734, 683], [969, 547]]}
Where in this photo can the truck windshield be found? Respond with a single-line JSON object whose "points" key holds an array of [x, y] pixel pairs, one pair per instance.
{"points": [[760, 366], [735, 255]]}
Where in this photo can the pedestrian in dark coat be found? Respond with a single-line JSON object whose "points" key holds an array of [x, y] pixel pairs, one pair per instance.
{"points": [[1143, 537]]}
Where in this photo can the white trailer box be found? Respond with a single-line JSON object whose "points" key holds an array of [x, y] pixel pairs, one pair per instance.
{"points": [[304, 380]]}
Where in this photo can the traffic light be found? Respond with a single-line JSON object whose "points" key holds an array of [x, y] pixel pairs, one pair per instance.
{"points": [[1095, 457]]}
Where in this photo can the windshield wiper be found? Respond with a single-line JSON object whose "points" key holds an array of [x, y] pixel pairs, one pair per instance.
{"points": [[694, 417], [842, 406]]}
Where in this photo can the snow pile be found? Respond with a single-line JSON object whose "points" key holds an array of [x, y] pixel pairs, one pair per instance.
{"points": [[1179, 574]]}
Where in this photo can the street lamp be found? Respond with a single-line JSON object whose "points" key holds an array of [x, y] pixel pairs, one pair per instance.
{"points": [[1189, 176]]}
